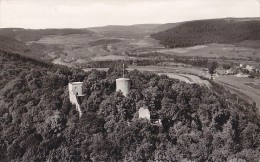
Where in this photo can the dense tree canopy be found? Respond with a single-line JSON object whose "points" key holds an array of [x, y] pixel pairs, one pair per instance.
{"points": [[212, 66], [38, 123], [209, 31]]}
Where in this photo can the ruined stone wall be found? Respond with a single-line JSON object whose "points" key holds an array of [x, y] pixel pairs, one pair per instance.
{"points": [[74, 90]]}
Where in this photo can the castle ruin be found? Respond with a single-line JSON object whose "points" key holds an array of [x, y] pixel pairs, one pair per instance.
{"points": [[75, 95]]}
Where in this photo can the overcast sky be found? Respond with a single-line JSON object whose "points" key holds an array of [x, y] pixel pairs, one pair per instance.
{"points": [[88, 13]]}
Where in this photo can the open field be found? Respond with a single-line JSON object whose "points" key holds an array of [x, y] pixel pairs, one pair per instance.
{"points": [[170, 69], [111, 57], [183, 50], [249, 87], [188, 78], [216, 50], [185, 74], [80, 46]]}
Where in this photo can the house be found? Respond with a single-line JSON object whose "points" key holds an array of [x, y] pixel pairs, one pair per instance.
{"points": [[250, 68], [242, 65], [230, 71]]}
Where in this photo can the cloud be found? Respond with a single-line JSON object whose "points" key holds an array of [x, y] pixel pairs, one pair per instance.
{"points": [[79, 13]]}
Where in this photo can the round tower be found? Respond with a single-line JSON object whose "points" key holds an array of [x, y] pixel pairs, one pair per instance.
{"points": [[123, 85]]}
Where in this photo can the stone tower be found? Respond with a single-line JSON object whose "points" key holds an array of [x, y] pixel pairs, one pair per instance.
{"points": [[123, 84]]}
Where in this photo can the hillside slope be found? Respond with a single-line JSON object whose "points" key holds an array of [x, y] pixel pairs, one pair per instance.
{"points": [[38, 123], [132, 31], [12, 45], [124, 31], [35, 34], [165, 27], [210, 31], [134, 28]]}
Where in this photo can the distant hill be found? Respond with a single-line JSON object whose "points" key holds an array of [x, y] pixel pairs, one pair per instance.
{"points": [[121, 31], [132, 31], [12, 45], [36, 34], [164, 27], [229, 30], [133, 28]]}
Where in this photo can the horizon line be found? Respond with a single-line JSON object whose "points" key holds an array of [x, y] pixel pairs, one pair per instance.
{"points": [[125, 25]]}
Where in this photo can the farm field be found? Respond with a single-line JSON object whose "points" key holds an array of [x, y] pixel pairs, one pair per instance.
{"points": [[217, 51], [185, 74], [111, 57], [81, 46], [188, 78], [170, 69], [158, 69], [249, 87]]}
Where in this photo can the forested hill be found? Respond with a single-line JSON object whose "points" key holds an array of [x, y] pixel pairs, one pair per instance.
{"points": [[35, 34], [132, 31], [38, 123], [210, 31], [11, 45]]}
